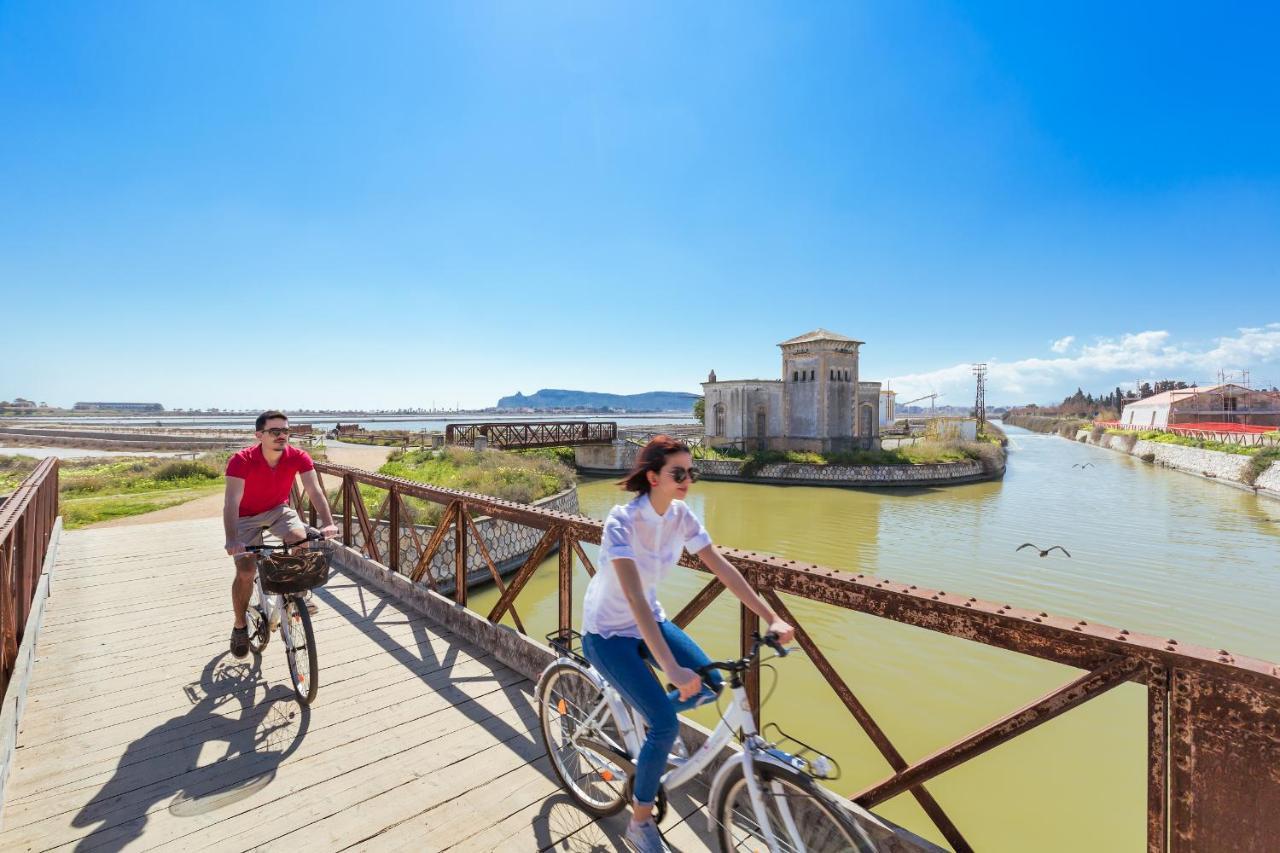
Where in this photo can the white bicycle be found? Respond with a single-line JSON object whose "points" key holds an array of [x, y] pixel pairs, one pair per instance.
{"points": [[277, 602], [762, 798]]}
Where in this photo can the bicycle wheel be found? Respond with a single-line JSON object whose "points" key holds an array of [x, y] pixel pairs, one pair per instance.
{"points": [[799, 814], [566, 697], [300, 649], [256, 620]]}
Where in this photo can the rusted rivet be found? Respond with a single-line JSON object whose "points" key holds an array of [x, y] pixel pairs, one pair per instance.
{"points": [[934, 598], [1223, 652], [913, 586], [942, 592], [967, 604], [1082, 622], [1124, 630], [971, 598], [1172, 641], [1075, 628], [1120, 638], [1168, 648], [1037, 618], [1044, 614]]}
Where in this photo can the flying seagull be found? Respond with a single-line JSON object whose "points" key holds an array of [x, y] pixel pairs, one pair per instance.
{"points": [[1043, 552], [1085, 465]]}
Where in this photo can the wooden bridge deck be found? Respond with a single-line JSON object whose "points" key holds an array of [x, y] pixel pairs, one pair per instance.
{"points": [[142, 732]]}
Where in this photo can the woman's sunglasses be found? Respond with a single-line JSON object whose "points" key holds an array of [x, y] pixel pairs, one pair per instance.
{"points": [[680, 474]]}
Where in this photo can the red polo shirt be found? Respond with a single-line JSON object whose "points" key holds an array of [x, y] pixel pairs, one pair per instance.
{"points": [[266, 487]]}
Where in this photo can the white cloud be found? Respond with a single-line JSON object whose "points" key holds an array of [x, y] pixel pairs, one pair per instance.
{"points": [[1063, 344], [1141, 356]]}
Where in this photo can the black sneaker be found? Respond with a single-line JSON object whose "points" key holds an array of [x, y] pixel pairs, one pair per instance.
{"points": [[240, 642]]}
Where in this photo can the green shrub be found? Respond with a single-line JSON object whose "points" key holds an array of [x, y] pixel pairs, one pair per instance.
{"points": [[185, 470], [1259, 463]]}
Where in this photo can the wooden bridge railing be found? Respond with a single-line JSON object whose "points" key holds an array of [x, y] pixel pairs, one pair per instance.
{"points": [[505, 434], [26, 524], [1213, 717]]}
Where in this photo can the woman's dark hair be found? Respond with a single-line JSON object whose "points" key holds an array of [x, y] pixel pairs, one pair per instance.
{"points": [[651, 458]]}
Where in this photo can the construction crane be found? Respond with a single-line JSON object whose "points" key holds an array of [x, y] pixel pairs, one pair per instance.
{"points": [[932, 398]]}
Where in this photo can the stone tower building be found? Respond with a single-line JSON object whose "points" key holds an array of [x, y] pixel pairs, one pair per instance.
{"points": [[819, 404]]}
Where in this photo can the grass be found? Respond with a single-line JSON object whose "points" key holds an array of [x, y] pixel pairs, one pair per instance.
{"points": [[988, 452], [1261, 461], [13, 470], [520, 477], [1186, 441], [106, 487]]}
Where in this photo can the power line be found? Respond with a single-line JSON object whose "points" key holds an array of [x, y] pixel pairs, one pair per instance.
{"points": [[980, 404]]}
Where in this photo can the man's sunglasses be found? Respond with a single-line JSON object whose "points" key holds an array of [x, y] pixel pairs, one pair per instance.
{"points": [[277, 431], [692, 473]]}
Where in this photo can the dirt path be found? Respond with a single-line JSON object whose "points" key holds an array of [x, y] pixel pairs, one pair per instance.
{"points": [[210, 506]]}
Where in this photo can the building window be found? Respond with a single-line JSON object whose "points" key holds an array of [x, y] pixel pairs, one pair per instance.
{"points": [[812, 374], [719, 413], [867, 419]]}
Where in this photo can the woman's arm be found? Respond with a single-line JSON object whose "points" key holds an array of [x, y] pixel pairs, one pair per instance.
{"points": [[686, 680], [737, 584]]}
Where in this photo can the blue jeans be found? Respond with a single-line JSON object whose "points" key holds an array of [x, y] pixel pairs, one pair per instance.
{"points": [[625, 663]]}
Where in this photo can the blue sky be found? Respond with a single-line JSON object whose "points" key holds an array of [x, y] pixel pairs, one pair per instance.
{"points": [[394, 204]]}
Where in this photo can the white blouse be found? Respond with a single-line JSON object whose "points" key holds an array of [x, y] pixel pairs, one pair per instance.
{"points": [[636, 532]]}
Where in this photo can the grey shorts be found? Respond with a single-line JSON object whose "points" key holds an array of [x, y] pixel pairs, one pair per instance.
{"points": [[281, 522]]}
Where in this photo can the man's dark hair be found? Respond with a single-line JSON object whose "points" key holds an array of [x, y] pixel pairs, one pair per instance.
{"points": [[267, 416]]}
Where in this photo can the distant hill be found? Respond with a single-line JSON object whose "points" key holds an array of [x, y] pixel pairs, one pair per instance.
{"points": [[557, 398]]}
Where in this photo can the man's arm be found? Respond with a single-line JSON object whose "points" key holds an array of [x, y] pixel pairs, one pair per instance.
{"points": [[311, 483], [231, 513]]}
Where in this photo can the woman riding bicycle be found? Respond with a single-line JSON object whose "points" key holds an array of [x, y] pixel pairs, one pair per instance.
{"points": [[625, 628]]}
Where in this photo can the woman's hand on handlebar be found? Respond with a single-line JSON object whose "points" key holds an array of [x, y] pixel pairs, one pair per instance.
{"points": [[685, 680], [329, 532], [785, 632]]}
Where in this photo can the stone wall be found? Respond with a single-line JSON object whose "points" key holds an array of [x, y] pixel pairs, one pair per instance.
{"points": [[619, 457], [509, 543], [797, 473], [1212, 464]]}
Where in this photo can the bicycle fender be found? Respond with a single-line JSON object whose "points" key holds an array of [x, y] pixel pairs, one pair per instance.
{"points": [[726, 770]]}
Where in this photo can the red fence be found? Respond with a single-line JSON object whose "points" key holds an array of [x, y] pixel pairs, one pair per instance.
{"points": [[26, 524]]}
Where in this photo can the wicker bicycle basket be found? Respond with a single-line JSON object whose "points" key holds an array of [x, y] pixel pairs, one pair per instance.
{"points": [[284, 573]]}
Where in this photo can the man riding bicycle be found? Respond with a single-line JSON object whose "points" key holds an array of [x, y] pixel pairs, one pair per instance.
{"points": [[259, 479]]}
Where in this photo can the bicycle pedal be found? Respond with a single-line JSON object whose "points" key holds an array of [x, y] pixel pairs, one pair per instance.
{"points": [[679, 749]]}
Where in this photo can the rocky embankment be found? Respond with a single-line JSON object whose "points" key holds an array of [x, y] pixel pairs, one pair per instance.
{"points": [[1243, 471]]}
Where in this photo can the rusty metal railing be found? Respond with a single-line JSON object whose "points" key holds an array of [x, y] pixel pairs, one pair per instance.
{"points": [[1213, 717], [505, 434], [26, 524]]}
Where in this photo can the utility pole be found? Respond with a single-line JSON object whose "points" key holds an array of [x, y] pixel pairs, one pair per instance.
{"points": [[980, 405]]}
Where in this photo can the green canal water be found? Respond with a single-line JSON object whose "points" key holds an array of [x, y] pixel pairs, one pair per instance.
{"points": [[1152, 550]]}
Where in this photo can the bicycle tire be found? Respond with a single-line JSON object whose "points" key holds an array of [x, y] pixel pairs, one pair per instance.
{"points": [[296, 620], [824, 826], [259, 631], [563, 687]]}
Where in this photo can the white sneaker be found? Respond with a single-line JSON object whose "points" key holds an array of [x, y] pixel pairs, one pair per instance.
{"points": [[645, 837]]}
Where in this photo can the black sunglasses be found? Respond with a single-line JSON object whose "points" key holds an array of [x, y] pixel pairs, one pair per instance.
{"points": [[679, 474], [278, 431]]}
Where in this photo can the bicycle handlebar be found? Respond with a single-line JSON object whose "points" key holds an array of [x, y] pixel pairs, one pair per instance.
{"points": [[313, 535], [743, 663]]}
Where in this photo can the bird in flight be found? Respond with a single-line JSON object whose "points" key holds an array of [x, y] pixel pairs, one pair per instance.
{"points": [[1085, 465], [1044, 552]]}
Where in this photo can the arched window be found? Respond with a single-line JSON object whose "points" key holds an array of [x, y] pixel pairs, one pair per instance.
{"points": [[719, 423]]}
